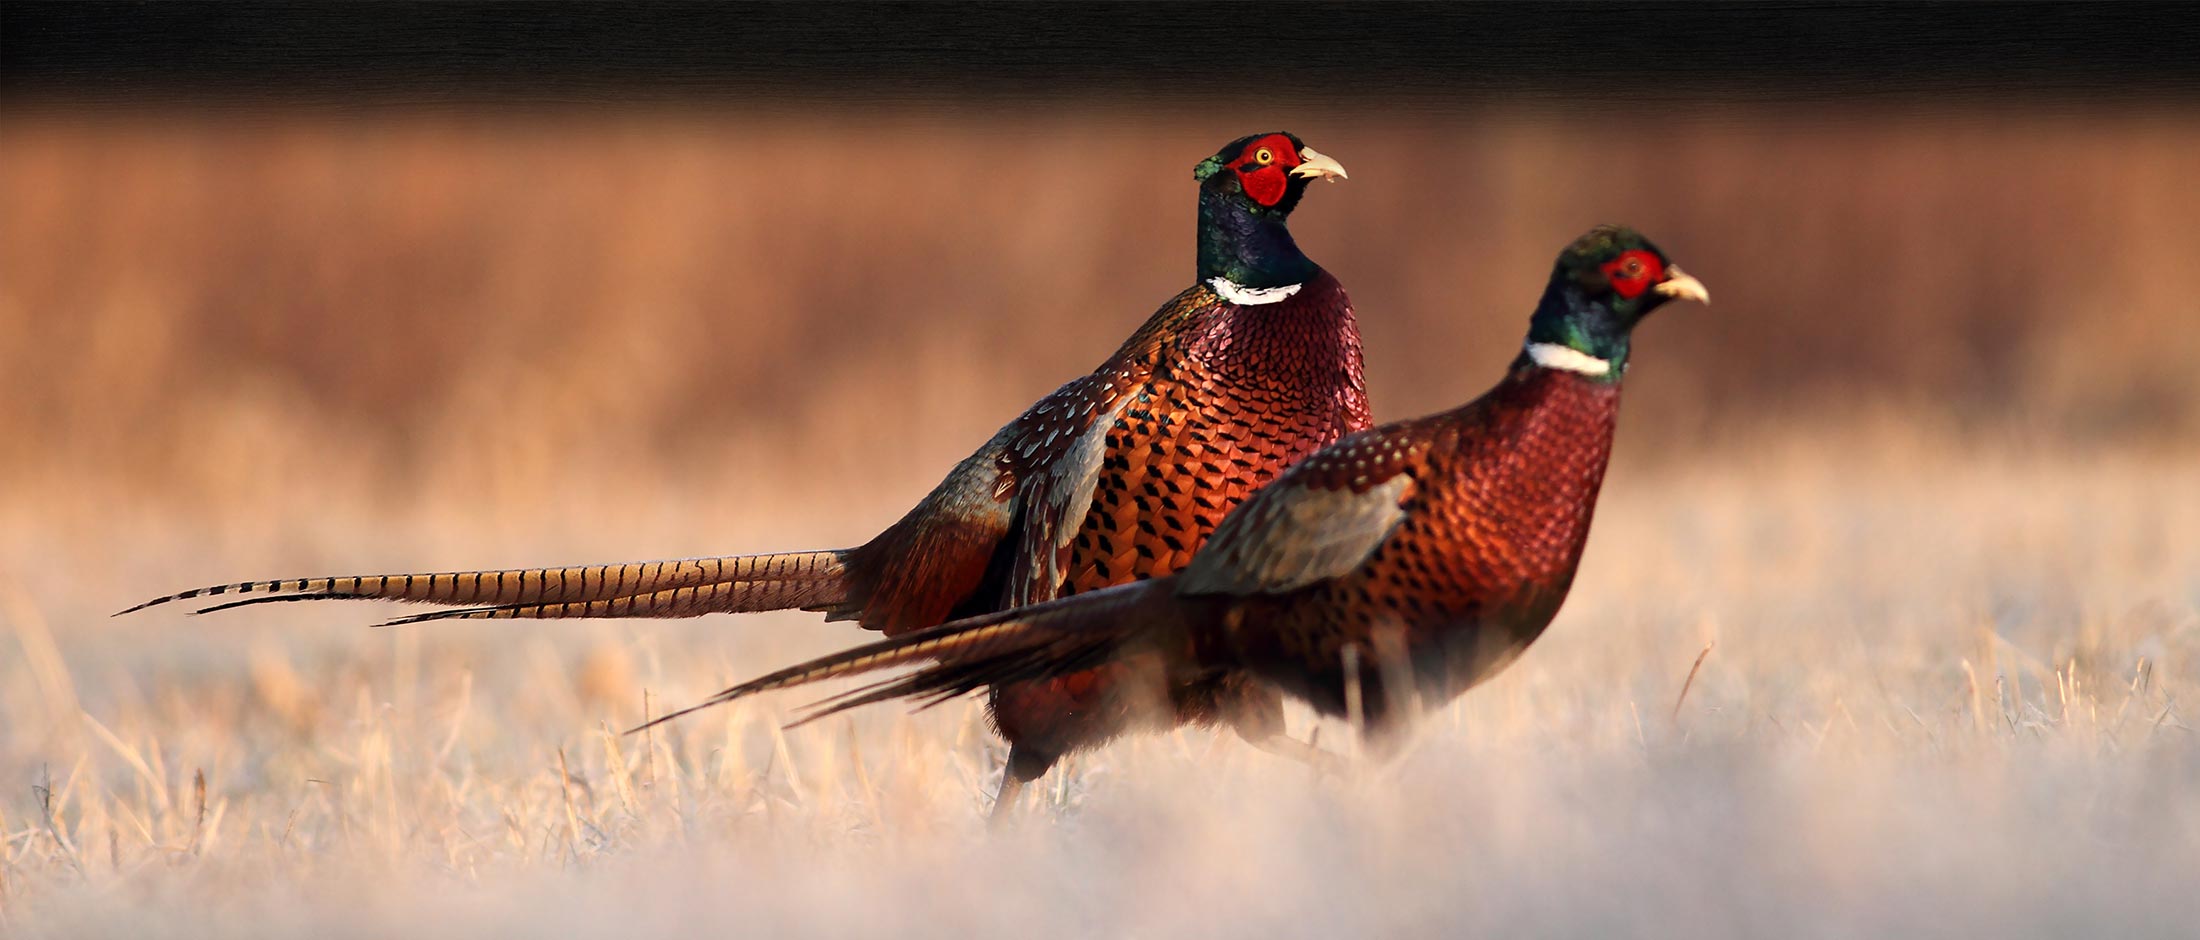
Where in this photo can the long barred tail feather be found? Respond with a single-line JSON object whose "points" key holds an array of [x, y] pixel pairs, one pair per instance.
{"points": [[682, 588], [248, 602], [1043, 640], [692, 601]]}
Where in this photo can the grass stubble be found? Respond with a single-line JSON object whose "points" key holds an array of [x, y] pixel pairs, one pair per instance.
{"points": [[1807, 690]]}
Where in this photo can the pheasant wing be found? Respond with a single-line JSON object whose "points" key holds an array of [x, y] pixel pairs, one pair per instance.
{"points": [[1320, 520], [1057, 449]]}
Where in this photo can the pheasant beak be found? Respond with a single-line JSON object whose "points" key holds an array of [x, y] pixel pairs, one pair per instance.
{"points": [[1679, 286], [1317, 165]]}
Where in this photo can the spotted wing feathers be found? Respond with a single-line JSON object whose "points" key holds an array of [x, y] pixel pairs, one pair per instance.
{"points": [[1062, 442]]}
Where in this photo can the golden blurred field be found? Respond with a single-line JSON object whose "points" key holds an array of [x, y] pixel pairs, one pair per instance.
{"points": [[1923, 479]]}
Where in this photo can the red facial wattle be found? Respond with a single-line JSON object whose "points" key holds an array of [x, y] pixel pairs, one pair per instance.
{"points": [[1633, 272], [1266, 181]]}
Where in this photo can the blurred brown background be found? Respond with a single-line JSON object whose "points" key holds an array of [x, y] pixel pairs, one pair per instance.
{"points": [[190, 302], [436, 284]]}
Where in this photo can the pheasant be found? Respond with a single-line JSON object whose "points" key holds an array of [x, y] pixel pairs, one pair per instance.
{"points": [[1117, 476], [1399, 565]]}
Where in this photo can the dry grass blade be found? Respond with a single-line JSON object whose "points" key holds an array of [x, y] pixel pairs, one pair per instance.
{"points": [[572, 818], [198, 811], [43, 791], [1690, 682]]}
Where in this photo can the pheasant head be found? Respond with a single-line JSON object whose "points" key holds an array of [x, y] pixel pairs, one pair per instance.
{"points": [[1246, 192], [1604, 284], [1268, 173]]}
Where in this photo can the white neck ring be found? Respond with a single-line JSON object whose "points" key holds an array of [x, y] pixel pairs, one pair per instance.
{"points": [[1251, 296], [1567, 359]]}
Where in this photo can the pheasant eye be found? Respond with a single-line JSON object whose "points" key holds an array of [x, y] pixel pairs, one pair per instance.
{"points": [[1265, 156], [1631, 273]]}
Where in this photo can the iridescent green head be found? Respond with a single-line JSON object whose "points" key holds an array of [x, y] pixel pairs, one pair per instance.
{"points": [[1246, 193], [1603, 285]]}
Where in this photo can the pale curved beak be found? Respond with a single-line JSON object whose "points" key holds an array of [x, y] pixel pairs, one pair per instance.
{"points": [[1679, 286], [1318, 166]]}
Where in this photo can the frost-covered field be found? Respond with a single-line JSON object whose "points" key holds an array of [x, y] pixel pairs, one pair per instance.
{"points": [[1947, 694]]}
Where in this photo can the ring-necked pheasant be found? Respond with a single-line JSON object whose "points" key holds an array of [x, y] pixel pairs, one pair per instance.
{"points": [[1118, 475], [1436, 548]]}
